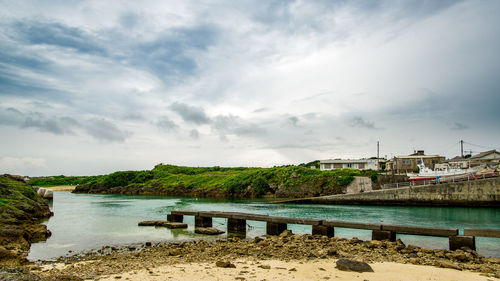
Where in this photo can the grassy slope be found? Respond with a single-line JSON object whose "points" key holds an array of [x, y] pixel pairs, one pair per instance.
{"points": [[17, 199], [257, 181]]}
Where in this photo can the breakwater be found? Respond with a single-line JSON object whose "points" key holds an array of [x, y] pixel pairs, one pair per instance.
{"points": [[478, 193]]}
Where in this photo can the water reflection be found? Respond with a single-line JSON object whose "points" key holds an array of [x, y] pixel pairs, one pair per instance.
{"points": [[89, 221]]}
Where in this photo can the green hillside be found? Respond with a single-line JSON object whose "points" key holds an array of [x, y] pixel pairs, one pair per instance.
{"points": [[282, 181]]}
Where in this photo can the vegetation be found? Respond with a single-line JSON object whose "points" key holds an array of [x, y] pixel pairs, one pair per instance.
{"points": [[238, 181], [59, 180], [16, 197]]}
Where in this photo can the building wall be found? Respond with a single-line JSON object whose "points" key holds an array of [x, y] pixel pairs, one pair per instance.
{"points": [[406, 165], [360, 166]]}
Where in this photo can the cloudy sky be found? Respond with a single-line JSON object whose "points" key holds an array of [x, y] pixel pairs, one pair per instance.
{"points": [[91, 87]]}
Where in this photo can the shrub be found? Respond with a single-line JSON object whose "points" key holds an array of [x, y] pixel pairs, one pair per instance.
{"points": [[260, 185]]}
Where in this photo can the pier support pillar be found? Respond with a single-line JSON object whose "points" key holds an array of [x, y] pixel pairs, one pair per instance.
{"points": [[202, 221], [175, 218], [383, 235], [236, 225], [274, 228], [459, 241], [323, 230]]}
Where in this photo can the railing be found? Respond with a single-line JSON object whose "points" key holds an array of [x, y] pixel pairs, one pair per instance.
{"points": [[447, 179]]}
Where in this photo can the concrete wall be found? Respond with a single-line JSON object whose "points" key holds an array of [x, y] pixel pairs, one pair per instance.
{"points": [[477, 193], [359, 184]]}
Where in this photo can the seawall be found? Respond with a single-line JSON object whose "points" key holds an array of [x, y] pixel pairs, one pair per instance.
{"points": [[477, 193]]}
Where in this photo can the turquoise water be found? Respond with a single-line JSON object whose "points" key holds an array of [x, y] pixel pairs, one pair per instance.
{"points": [[90, 221]]}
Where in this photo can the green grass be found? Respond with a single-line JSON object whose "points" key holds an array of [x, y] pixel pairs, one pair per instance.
{"points": [[16, 196], [229, 180]]}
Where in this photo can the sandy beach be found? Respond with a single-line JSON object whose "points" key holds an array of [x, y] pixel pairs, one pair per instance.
{"points": [[294, 270], [61, 188], [287, 257]]}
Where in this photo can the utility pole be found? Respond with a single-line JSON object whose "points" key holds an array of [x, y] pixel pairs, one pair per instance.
{"points": [[378, 149], [462, 148]]}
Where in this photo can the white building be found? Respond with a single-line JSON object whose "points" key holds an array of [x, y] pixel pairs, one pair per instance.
{"points": [[361, 164]]}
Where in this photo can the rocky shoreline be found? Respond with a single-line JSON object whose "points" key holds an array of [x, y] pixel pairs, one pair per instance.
{"points": [[286, 247], [21, 211]]}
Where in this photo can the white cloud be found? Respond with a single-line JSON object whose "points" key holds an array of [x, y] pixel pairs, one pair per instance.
{"points": [[278, 82], [23, 165]]}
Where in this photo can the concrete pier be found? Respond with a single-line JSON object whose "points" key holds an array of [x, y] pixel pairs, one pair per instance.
{"points": [[236, 223]]}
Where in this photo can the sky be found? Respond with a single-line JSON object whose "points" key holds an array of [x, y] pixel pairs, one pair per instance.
{"points": [[92, 87]]}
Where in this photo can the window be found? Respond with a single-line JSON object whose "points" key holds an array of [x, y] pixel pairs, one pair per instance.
{"points": [[328, 166], [406, 162]]}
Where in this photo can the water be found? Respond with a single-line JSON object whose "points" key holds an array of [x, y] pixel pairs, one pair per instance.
{"points": [[90, 221]]}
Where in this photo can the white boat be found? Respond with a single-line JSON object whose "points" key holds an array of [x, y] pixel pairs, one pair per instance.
{"points": [[442, 172]]}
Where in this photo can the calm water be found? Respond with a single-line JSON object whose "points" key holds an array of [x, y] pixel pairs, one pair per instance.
{"points": [[90, 221]]}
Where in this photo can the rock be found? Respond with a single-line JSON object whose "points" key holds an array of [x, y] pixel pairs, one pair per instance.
{"points": [[208, 231], [286, 233], [458, 255], [332, 252], [375, 243], [257, 239], [265, 266], [414, 261], [49, 194], [487, 269], [174, 252], [447, 264], [412, 248], [352, 265], [41, 191], [493, 260], [148, 244], [224, 264]]}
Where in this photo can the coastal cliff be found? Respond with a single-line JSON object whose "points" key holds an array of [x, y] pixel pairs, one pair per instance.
{"points": [[21, 208]]}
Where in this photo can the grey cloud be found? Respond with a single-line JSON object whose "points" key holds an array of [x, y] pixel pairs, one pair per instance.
{"points": [[359, 122], [171, 56], [57, 126], [459, 126], [11, 116], [262, 109], [224, 123], [105, 131], [249, 130], [133, 116], [194, 134], [165, 124], [57, 34], [190, 114], [293, 120], [230, 124]]}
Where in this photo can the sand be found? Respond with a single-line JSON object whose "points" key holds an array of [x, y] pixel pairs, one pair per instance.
{"points": [[295, 270], [61, 188]]}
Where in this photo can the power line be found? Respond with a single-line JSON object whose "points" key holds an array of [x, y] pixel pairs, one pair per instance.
{"points": [[478, 145]]}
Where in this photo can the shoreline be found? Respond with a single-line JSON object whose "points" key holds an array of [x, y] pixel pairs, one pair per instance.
{"points": [[61, 188], [163, 260]]}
